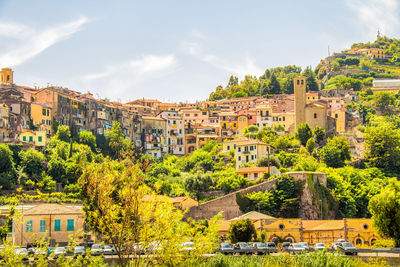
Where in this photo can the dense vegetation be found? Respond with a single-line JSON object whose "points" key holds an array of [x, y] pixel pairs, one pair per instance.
{"points": [[344, 72]]}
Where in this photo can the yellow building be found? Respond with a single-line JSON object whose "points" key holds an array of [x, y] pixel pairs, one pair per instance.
{"points": [[6, 76], [54, 222], [37, 138], [340, 117], [358, 231], [375, 53], [202, 139], [242, 122], [42, 116], [183, 202], [314, 113], [254, 173], [246, 150], [4, 123]]}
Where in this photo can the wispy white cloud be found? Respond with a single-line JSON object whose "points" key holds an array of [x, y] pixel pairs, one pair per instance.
{"points": [[119, 79], [244, 67], [25, 42], [377, 14]]}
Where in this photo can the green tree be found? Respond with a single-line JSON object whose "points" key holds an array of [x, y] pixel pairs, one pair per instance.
{"points": [[63, 133], [8, 174], [56, 168], [311, 81], [33, 163], [336, 152], [196, 183], [116, 142], [382, 146], [242, 231], [319, 135], [119, 206], [335, 65], [310, 145], [274, 86], [87, 138], [304, 133], [385, 210]]}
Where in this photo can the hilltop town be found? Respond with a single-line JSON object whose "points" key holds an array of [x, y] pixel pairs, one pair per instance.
{"points": [[300, 153]]}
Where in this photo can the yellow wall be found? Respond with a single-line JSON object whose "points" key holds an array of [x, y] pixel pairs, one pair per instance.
{"points": [[242, 123], [6, 76], [340, 117], [321, 117], [38, 138], [41, 116], [58, 236]]}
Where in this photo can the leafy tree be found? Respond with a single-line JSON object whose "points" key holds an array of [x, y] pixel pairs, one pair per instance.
{"points": [[335, 65], [382, 147], [56, 168], [116, 142], [365, 63], [304, 133], [63, 133], [251, 131], [310, 145], [33, 163], [242, 231], [311, 81], [319, 135], [6, 158], [336, 151], [274, 87], [120, 207], [271, 161], [198, 183], [385, 210], [87, 138]]}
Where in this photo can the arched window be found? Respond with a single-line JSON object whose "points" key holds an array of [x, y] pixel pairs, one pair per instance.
{"points": [[358, 241], [315, 115]]}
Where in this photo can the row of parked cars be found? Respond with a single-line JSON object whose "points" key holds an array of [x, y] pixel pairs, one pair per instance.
{"points": [[260, 248], [243, 248]]}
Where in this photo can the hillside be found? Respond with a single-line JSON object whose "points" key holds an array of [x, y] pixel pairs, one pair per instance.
{"points": [[354, 68]]}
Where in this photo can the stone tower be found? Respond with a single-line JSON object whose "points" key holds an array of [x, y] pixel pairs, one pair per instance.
{"points": [[6, 76], [299, 100]]}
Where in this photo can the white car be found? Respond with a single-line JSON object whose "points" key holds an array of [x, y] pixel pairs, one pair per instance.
{"points": [[305, 245], [96, 249], [296, 248], [187, 246], [58, 251], [319, 246]]}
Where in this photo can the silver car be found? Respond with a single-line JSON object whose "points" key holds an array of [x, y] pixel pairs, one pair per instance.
{"points": [[319, 246], [296, 248]]}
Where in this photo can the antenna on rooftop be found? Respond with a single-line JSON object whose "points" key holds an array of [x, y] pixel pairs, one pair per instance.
{"points": [[379, 34]]}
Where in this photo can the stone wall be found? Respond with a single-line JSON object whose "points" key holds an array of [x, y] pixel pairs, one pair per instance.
{"points": [[227, 204]]}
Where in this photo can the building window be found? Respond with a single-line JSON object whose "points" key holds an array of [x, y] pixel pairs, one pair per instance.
{"points": [[228, 147], [57, 225], [336, 116], [240, 158], [315, 115], [44, 112], [42, 225], [30, 138], [70, 225], [239, 149], [24, 138], [29, 226], [40, 139]]}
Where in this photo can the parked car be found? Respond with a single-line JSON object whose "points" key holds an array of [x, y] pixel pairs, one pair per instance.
{"points": [[296, 248], [226, 248], [242, 248], [334, 245], [285, 246], [305, 245], [96, 249], [79, 250], [40, 252], [187, 246], [22, 252], [58, 251], [259, 248], [272, 247], [347, 248], [109, 250], [154, 247], [319, 246]]}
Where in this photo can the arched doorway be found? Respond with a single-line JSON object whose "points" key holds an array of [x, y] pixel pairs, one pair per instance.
{"points": [[359, 241], [290, 239]]}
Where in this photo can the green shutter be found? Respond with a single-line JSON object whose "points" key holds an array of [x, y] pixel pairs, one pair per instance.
{"points": [[29, 226], [24, 138], [30, 138], [42, 225], [40, 139], [56, 225], [70, 225]]}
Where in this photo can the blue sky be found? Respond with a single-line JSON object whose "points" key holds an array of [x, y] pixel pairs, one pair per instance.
{"points": [[176, 50]]}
